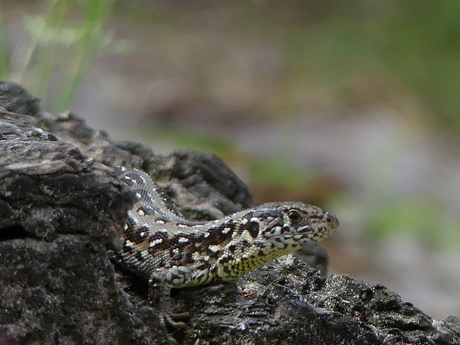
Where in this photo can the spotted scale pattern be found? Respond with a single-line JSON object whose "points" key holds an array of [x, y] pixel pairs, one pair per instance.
{"points": [[170, 251]]}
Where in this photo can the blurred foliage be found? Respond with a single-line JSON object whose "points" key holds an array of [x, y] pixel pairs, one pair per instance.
{"points": [[278, 171], [424, 218], [58, 47], [361, 53], [187, 139], [329, 44], [410, 43], [3, 49]]}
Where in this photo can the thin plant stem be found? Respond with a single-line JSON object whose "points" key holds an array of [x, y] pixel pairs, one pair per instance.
{"points": [[4, 66], [97, 15]]}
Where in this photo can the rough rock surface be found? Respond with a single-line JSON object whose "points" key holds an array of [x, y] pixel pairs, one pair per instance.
{"points": [[61, 208]]}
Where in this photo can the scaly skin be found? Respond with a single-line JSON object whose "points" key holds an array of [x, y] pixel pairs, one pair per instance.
{"points": [[172, 252]]}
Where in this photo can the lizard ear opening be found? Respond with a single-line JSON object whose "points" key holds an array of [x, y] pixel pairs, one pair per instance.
{"points": [[253, 228]]}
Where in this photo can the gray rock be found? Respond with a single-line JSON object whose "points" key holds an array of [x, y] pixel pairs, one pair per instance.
{"points": [[61, 208]]}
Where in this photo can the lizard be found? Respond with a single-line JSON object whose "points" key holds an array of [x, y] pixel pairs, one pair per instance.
{"points": [[169, 251]]}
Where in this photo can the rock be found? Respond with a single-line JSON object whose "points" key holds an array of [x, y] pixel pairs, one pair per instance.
{"points": [[61, 208]]}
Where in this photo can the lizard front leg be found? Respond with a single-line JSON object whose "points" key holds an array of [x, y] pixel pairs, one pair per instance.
{"points": [[161, 282]]}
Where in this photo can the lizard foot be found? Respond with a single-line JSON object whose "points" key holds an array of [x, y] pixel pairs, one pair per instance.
{"points": [[168, 319]]}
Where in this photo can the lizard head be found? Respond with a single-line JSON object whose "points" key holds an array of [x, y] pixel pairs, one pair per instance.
{"points": [[270, 231], [289, 225]]}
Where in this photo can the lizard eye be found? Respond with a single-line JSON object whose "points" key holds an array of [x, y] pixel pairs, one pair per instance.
{"points": [[294, 216]]}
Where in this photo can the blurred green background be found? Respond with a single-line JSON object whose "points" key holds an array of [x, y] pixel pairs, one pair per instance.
{"points": [[350, 105]]}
